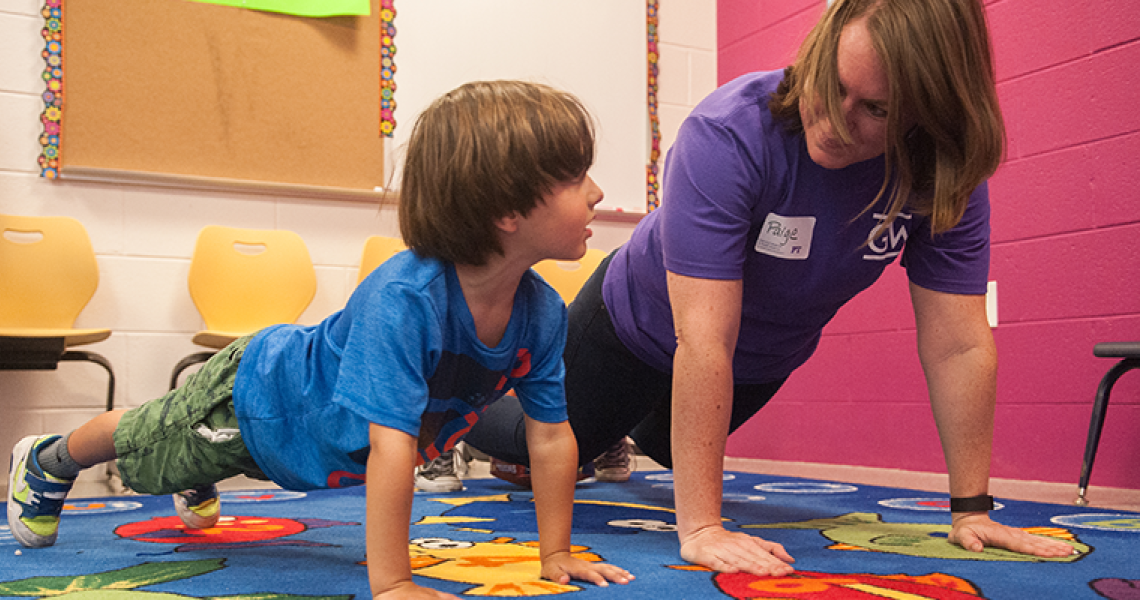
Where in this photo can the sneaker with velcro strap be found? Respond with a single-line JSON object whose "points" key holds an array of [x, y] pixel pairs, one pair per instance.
{"points": [[35, 498]]}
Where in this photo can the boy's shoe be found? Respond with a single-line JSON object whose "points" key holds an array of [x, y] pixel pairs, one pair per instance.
{"points": [[520, 474], [613, 464], [442, 474], [199, 508], [35, 498], [511, 472]]}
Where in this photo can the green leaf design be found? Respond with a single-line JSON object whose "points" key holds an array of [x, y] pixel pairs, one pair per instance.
{"points": [[120, 584], [129, 578]]}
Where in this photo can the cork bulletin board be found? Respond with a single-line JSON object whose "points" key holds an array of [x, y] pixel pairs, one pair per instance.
{"points": [[207, 91]]}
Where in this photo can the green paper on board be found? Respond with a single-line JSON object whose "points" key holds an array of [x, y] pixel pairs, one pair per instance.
{"points": [[302, 8]]}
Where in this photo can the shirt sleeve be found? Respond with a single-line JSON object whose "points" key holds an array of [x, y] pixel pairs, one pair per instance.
{"points": [[710, 181], [541, 389], [956, 261], [391, 349]]}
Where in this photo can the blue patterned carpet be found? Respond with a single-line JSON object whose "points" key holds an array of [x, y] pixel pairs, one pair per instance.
{"points": [[850, 541]]}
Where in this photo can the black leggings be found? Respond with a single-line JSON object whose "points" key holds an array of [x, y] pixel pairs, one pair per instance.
{"points": [[610, 393]]}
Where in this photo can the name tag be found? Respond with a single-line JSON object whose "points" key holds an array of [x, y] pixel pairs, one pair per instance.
{"points": [[786, 237]]}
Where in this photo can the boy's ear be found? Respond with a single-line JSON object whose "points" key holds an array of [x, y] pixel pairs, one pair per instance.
{"points": [[508, 223]]}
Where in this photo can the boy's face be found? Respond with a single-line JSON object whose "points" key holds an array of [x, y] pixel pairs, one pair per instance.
{"points": [[558, 227]]}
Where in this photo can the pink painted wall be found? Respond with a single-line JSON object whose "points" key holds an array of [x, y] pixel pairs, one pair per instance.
{"points": [[1066, 258]]}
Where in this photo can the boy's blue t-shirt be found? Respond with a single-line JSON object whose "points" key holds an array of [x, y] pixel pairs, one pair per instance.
{"points": [[404, 354]]}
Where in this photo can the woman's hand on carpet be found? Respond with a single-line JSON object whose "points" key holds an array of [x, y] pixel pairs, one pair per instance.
{"points": [[731, 552], [561, 567], [975, 531], [406, 590]]}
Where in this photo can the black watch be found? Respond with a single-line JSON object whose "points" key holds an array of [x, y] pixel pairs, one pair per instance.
{"points": [[981, 503]]}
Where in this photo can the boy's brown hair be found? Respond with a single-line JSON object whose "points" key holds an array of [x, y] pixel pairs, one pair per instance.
{"points": [[483, 151]]}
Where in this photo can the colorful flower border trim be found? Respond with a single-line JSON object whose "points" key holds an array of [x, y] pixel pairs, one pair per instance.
{"points": [[387, 68], [52, 115], [652, 180]]}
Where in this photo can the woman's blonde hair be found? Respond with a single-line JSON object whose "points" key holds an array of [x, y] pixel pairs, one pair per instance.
{"points": [[483, 151], [936, 54]]}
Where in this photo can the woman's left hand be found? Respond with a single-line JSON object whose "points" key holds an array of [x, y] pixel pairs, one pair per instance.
{"points": [[975, 531]]}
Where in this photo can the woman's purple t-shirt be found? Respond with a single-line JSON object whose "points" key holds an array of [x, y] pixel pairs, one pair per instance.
{"points": [[742, 199]]}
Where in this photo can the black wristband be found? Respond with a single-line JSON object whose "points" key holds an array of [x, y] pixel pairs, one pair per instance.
{"points": [[972, 504]]}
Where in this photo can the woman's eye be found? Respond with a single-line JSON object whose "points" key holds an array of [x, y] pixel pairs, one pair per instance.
{"points": [[876, 111]]}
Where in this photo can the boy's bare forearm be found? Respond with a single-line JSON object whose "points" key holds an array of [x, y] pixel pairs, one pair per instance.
{"points": [[554, 470], [389, 508], [553, 473]]}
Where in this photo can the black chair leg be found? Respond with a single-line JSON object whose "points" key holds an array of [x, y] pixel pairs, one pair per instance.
{"points": [[193, 359], [101, 361], [1100, 407]]}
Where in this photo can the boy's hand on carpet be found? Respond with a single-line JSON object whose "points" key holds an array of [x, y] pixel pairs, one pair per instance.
{"points": [[561, 567], [731, 552], [406, 590], [975, 531]]}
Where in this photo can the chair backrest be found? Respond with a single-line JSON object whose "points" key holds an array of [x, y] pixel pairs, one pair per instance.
{"points": [[569, 276], [242, 280], [47, 269], [377, 249]]}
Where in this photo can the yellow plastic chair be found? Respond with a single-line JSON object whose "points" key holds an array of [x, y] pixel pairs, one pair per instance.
{"points": [[48, 274], [243, 280], [567, 277], [377, 249]]}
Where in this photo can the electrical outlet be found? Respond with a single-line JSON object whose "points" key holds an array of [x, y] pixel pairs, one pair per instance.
{"points": [[991, 304]]}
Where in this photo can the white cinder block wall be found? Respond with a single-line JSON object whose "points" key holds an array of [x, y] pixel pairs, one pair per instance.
{"points": [[143, 236]]}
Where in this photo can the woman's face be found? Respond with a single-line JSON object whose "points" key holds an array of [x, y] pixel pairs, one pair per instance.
{"points": [[865, 90]]}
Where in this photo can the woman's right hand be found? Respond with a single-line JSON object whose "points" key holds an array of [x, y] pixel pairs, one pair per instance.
{"points": [[733, 552]]}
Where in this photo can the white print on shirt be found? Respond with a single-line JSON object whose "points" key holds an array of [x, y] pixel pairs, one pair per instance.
{"points": [[786, 237], [890, 242]]}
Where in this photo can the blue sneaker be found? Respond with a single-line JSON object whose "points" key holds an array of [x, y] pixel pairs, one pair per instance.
{"points": [[35, 498], [199, 508]]}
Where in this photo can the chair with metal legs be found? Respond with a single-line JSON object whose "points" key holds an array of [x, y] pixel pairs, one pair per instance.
{"points": [[1129, 353], [48, 274], [243, 280]]}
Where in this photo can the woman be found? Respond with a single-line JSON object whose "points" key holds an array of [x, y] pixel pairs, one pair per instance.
{"points": [[786, 194]]}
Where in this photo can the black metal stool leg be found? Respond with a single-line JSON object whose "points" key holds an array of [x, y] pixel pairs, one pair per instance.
{"points": [[101, 361], [1100, 407], [193, 359], [86, 355]]}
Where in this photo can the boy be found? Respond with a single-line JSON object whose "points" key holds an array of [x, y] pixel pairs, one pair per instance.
{"points": [[495, 180]]}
